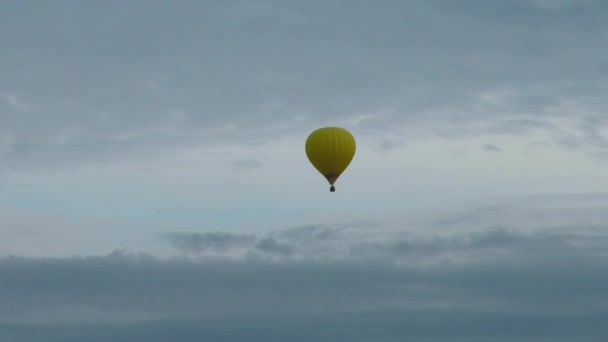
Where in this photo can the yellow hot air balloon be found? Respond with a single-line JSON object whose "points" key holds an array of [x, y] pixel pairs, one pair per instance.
{"points": [[330, 150]]}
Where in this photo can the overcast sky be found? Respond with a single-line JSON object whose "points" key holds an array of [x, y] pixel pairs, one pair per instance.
{"points": [[154, 185]]}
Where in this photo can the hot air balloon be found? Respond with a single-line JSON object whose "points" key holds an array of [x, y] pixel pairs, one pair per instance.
{"points": [[330, 150]]}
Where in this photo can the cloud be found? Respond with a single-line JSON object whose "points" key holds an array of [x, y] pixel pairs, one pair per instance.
{"points": [[271, 245], [556, 5], [504, 295], [14, 101], [518, 226], [312, 232], [448, 325], [485, 74], [245, 164], [512, 271], [202, 242], [492, 148]]}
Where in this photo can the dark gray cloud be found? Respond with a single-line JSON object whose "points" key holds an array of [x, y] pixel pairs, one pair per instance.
{"points": [[391, 326], [520, 225], [492, 148], [490, 244], [272, 246], [214, 241], [531, 282], [512, 271], [309, 242], [312, 232], [534, 212]]}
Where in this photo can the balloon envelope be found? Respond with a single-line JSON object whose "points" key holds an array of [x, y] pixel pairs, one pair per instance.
{"points": [[330, 150]]}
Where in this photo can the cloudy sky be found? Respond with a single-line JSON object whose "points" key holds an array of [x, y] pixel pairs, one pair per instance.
{"points": [[154, 185]]}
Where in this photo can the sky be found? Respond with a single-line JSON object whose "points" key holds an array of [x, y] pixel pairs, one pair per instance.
{"points": [[154, 184]]}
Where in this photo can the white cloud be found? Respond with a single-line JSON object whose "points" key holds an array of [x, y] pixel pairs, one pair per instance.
{"points": [[14, 100]]}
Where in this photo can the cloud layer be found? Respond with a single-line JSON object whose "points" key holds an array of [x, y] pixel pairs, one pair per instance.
{"points": [[357, 280], [522, 289], [242, 73]]}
